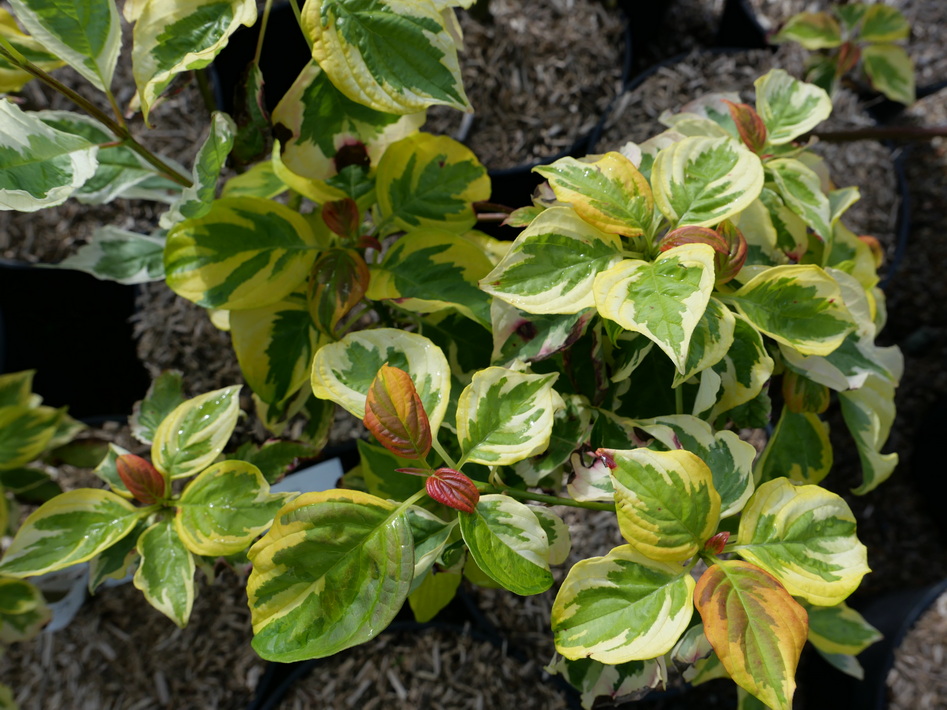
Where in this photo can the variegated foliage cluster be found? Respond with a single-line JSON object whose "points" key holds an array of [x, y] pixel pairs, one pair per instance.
{"points": [[859, 39], [641, 315], [146, 523]]}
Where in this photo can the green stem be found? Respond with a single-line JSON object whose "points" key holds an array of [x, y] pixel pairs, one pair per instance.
{"points": [[408, 503], [299, 20], [120, 131], [444, 455], [550, 500], [263, 21]]}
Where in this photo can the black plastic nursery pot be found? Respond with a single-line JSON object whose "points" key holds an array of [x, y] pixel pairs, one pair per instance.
{"points": [[74, 330]]}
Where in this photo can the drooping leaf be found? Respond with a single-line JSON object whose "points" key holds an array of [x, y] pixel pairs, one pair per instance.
{"points": [[115, 254], [429, 181], [172, 37], [434, 593], [69, 529], [756, 628], [86, 35], [31, 485], [331, 573], [225, 508], [166, 572], [869, 413], [666, 503], [244, 253], [608, 193], [805, 537], [505, 416], [789, 107], [393, 55], [798, 449], [663, 300], [703, 181], [427, 270], [799, 305], [622, 607], [344, 371], [840, 629], [508, 543], [553, 263], [189, 439], [395, 414], [39, 165]]}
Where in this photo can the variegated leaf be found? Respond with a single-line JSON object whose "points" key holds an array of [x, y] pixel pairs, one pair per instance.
{"points": [[174, 36], [429, 181], [508, 543], [553, 263], [591, 478], [393, 55], [12, 77], [729, 458], [16, 388], [343, 371], [430, 535], [430, 269], [224, 508], [23, 613], [570, 429], [710, 341], [622, 607], [527, 337], [274, 346], [813, 30], [608, 193], [869, 413], [69, 529], [891, 71], [799, 305], [799, 449], [755, 626], [840, 629], [165, 393], [703, 181], [318, 124], [800, 187], [86, 35], [244, 253], [191, 437], [789, 107], [805, 537], [883, 23], [331, 573], [504, 416], [39, 165], [663, 300], [434, 592], [666, 502], [259, 181], [25, 432], [197, 200], [557, 534], [115, 254], [617, 683], [166, 572], [744, 370]]}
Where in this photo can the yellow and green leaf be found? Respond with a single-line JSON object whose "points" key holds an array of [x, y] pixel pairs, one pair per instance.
{"points": [[12, 77], [756, 628], [789, 107], [799, 449], [616, 682], [166, 572], [331, 573], [869, 413], [25, 432], [16, 388], [710, 341], [191, 437], [813, 30], [800, 188], [622, 607], [891, 71], [805, 537], [23, 611], [436, 591]]}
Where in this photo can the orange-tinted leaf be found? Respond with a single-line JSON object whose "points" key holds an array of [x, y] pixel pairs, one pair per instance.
{"points": [[756, 628], [141, 479], [395, 415], [338, 281], [453, 489], [749, 124], [342, 217], [691, 234]]}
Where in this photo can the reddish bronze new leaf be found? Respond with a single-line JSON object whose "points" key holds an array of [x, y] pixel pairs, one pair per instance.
{"points": [[749, 124], [454, 489], [395, 415], [716, 543], [342, 217], [755, 626], [337, 283], [848, 56], [693, 235], [141, 479], [728, 265]]}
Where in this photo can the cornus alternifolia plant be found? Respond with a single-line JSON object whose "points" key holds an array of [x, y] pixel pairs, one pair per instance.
{"points": [[657, 299]]}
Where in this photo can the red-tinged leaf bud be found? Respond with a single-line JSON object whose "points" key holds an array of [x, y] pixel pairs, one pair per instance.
{"points": [[728, 265], [693, 235], [141, 479], [848, 56], [877, 251], [750, 126], [367, 241], [338, 281], [606, 457], [717, 543], [342, 217], [395, 414], [453, 489]]}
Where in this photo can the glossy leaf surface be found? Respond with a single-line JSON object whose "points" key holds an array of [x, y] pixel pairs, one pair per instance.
{"points": [[166, 572], [395, 414]]}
